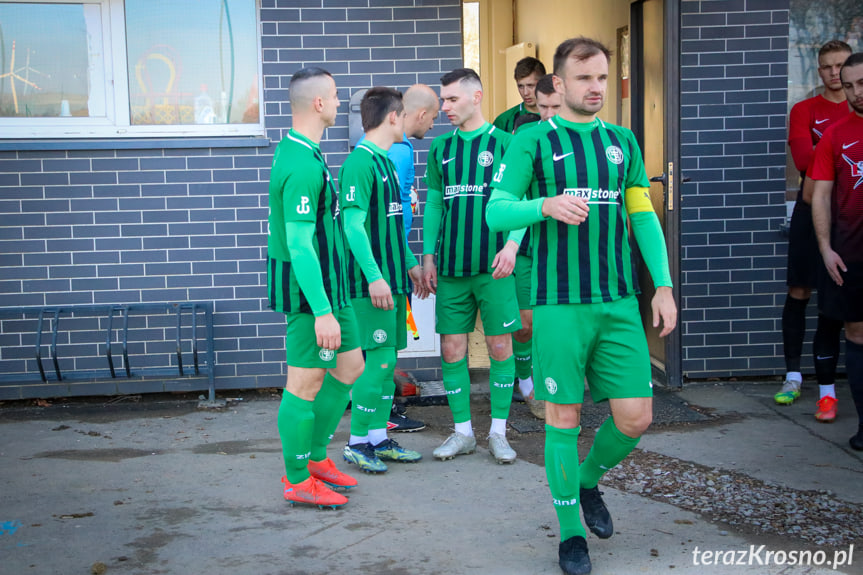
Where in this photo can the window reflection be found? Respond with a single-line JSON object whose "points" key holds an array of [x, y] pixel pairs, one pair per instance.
{"points": [[51, 60], [192, 62]]}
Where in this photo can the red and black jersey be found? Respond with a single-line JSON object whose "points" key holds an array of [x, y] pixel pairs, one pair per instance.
{"points": [[839, 158], [809, 119]]}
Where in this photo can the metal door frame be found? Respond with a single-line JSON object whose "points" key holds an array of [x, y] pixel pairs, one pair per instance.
{"points": [[673, 376]]}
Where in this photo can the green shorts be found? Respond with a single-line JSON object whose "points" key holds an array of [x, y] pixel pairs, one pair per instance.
{"points": [[459, 298], [523, 265], [382, 328], [301, 346], [603, 341]]}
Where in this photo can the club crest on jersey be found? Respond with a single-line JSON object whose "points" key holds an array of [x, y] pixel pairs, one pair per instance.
{"points": [[485, 159], [856, 170], [326, 354], [551, 385], [379, 336], [614, 154]]}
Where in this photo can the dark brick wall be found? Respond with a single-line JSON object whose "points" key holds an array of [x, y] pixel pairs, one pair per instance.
{"points": [[105, 225], [733, 129]]}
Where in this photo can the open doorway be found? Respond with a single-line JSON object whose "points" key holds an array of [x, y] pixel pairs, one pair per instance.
{"points": [[642, 95]]}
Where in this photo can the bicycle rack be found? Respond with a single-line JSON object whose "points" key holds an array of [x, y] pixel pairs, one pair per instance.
{"points": [[194, 308]]}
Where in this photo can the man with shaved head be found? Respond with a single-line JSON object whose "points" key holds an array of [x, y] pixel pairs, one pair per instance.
{"points": [[307, 281], [421, 106]]}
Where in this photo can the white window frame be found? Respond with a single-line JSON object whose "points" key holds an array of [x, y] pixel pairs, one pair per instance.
{"points": [[117, 121]]}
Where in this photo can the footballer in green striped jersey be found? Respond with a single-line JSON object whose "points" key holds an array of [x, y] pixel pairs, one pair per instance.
{"points": [[368, 180], [380, 263], [460, 166], [307, 280], [580, 184], [474, 267], [302, 190], [527, 73]]}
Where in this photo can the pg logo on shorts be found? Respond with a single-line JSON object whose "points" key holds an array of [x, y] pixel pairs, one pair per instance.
{"points": [[614, 154], [551, 385], [326, 354], [485, 159], [379, 336]]}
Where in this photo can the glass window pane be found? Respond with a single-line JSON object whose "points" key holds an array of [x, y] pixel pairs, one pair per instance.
{"points": [[813, 24], [51, 61], [192, 61]]}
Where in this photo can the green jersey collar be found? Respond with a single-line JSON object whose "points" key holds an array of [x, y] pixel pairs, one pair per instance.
{"points": [[372, 147], [468, 136], [298, 137], [577, 126]]}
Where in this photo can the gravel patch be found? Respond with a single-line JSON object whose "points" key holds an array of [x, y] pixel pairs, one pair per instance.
{"points": [[739, 500]]}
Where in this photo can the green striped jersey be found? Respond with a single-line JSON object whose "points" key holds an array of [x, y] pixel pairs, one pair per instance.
{"points": [[461, 166], [506, 120], [591, 262], [368, 180], [302, 190]]}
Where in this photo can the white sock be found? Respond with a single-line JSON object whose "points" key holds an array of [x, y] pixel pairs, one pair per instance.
{"points": [[358, 439], [827, 390], [498, 426], [377, 435], [794, 376], [465, 428], [525, 386]]}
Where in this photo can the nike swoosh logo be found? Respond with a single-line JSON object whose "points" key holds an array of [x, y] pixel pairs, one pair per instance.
{"points": [[509, 323], [560, 157], [821, 121], [825, 357], [846, 146], [384, 179], [448, 160]]}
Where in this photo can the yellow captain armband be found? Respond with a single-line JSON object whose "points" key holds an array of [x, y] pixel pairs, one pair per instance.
{"points": [[637, 200]]}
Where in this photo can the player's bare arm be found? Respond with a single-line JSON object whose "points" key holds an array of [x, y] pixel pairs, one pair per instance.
{"points": [[328, 332], [504, 261], [430, 273], [821, 219], [416, 275], [381, 294], [664, 309], [565, 208]]}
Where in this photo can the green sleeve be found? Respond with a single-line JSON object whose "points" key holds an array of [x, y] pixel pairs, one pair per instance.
{"points": [[431, 220], [307, 267], [358, 241], [651, 242], [506, 208], [410, 259], [516, 235], [506, 211]]}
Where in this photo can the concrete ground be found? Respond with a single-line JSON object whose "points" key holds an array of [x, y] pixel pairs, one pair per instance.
{"points": [[158, 486]]}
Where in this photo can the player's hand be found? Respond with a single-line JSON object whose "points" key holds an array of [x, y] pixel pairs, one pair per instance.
{"points": [[382, 296], [328, 332], [834, 264], [664, 307], [565, 208], [504, 261], [430, 273], [416, 275]]}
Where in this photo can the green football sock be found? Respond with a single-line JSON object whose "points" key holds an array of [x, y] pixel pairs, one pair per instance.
{"points": [[501, 375], [610, 447], [456, 381], [329, 407], [296, 420], [561, 469], [521, 352], [367, 391], [381, 417]]}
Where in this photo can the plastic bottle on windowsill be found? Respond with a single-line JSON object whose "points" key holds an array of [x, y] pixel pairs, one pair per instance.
{"points": [[204, 113]]}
